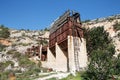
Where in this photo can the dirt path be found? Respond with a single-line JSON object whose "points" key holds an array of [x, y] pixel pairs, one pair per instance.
{"points": [[57, 75]]}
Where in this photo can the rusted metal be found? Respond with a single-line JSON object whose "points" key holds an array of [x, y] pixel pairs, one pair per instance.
{"points": [[34, 50], [59, 22], [66, 25]]}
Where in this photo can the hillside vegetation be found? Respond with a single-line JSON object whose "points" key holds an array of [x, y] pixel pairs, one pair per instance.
{"points": [[103, 65], [4, 32], [102, 42], [14, 63]]}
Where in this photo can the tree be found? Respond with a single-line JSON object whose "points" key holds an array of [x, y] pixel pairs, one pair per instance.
{"points": [[117, 65], [101, 65], [85, 21], [96, 38], [46, 29], [4, 32], [100, 50], [116, 26]]}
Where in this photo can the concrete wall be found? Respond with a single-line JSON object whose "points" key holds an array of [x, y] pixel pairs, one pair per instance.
{"points": [[77, 53], [83, 59], [71, 54], [62, 63], [61, 59], [77, 44], [51, 60]]}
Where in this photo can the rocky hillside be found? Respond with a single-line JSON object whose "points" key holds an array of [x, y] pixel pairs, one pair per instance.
{"points": [[19, 41], [23, 39], [111, 24], [13, 48]]}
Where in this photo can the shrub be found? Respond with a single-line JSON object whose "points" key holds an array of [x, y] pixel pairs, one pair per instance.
{"points": [[101, 51], [31, 73], [32, 69], [14, 53], [4, 75], [46, 29], [117, 26], [11, 52], [96, 38], [118, 35], [3, 65], [24, 44], [2, 47], [25, 62], [85, 21], [44, 42], [71, 77], [4, 32]]}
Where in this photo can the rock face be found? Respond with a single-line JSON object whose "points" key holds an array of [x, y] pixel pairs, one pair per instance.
{"points": [[19, 41], [5, 57], [23, 39], [108, 24], [5, 42]]}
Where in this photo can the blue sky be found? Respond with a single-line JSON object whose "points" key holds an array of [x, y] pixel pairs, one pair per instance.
{"points": [[39, 14]]}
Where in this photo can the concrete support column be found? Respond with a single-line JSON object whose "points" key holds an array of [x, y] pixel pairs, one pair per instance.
{"points": [[61, 59], [40, 51], [71, 54], [50, 59], [83, 59]]}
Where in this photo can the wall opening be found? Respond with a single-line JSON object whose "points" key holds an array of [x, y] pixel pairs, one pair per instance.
{"points": [[44, 53]]}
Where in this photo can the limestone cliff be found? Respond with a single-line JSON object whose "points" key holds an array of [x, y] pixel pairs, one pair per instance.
{"points": [[108, 24]]}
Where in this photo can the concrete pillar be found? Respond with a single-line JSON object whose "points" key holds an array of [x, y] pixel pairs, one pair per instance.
{"points": [[40, 51], [61, 59], [76, 41], [83, 59], [50, 60], [71, 54]]}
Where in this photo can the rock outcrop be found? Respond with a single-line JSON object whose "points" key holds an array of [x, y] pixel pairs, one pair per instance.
{"points": [[108, 24]]}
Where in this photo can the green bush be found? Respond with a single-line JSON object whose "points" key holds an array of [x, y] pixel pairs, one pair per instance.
{"points": [[44, 42], [46, 29], [14, 53], [2, 47], [85, 21], [116, 26], [118, 35], [24, 44], [4, 75], [32, 69], [11, 52], [96, 38], [25, 62], [71, 77], [102, 64], [3, 65], [4, 32], [30, 74], [52, 79], [111, 19]]}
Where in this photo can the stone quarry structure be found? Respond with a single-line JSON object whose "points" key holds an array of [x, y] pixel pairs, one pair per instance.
{"points": [[67, 47]]}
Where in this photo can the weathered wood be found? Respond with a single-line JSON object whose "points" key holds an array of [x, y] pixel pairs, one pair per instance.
{"points": [[60, 21], [66, 25]]}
